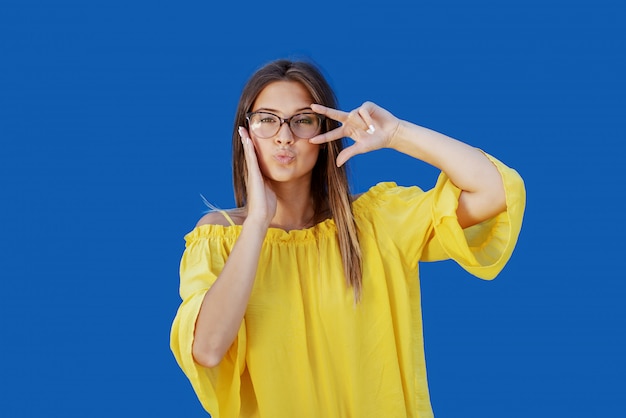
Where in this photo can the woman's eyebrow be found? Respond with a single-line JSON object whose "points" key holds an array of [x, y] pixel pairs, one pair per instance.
{"points": [[267, 109]]}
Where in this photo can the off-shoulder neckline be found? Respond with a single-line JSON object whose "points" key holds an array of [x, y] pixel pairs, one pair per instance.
{"points": [[277, 234]]}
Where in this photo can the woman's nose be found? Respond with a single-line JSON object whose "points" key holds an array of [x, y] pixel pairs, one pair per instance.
{"points": [[284, 135]]}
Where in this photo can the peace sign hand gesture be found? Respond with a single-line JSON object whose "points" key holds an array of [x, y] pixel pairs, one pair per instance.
{"points": [[370, 126]]}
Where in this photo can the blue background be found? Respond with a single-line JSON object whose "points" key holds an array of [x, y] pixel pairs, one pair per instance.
{"points": [[115, 116]]}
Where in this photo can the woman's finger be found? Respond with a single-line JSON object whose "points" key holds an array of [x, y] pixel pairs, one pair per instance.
{"points": [[329, 112], [252, 163], [329, 136], [247, 144], [364, 112], [347, 153]]}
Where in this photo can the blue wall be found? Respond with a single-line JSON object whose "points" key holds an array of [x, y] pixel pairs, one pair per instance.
{"points": [[115, 116]]}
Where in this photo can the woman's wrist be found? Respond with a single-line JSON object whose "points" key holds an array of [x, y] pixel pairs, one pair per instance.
{"points": [[406, 137], [253, 224]]}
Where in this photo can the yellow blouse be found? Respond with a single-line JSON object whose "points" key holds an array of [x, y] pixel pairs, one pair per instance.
{"points": [[304, 348]]}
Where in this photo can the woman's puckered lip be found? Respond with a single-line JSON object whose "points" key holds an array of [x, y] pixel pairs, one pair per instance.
{"points": [[284, 154]]}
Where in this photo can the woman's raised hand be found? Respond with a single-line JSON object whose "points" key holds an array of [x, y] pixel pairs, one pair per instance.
{"points": [[261, 199], [370, 126]]}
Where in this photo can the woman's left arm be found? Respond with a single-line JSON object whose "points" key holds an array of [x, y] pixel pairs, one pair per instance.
{"points": [[372, 127]]}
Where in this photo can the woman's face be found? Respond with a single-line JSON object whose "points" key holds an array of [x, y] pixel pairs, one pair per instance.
{"points": [[284, 157]]}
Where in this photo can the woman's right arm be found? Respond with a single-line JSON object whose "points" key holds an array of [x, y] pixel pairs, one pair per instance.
{"points": [[225, 303]]}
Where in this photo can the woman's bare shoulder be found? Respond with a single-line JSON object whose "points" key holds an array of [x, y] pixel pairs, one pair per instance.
{"points": [[221, 217]]}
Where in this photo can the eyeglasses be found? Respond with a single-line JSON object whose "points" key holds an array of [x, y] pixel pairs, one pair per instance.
{"points": [[303, 125]]}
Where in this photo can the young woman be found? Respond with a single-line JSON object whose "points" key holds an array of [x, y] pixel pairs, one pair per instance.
{"points": [[304, 301]]}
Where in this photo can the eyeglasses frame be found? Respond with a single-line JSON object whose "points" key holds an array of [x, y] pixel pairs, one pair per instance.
{"points": [[282, 121]]}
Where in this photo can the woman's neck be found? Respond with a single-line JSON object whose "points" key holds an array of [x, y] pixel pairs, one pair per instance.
{"points": [[295, 208]]}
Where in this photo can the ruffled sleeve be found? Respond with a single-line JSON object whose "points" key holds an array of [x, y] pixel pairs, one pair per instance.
{"points": [[484, 249], [217, 388]]}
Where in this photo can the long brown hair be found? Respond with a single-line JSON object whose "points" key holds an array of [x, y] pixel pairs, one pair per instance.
{"points": [[329, 185]]}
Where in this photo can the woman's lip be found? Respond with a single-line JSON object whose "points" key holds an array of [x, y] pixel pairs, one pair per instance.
{"points": [[284, 157]]}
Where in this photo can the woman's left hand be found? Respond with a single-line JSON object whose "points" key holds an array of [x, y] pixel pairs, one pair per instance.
{"points": [[370, 126]]}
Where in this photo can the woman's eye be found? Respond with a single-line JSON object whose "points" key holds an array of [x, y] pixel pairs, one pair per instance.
{"points": [[305, 120], [267, 120]]}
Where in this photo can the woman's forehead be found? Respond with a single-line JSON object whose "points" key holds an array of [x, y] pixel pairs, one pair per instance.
{"points": [[283, 96]]}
